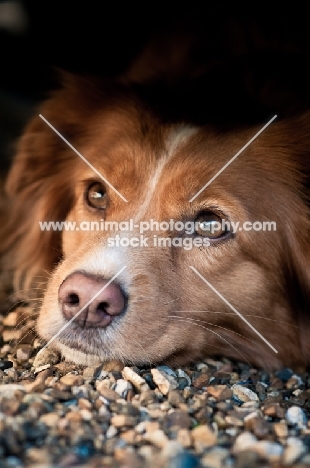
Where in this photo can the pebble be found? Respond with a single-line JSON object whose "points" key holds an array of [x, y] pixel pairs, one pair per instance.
{"points": [[255, 423], [157, 438], [122, 387], [46, 356], [164, 381], [111, 432], [23, 353], [293, 451], [249, 459], [71, 380], [244, 441], [215, 458], [5, 365], [220, 392], [201, 381], [284, 374], [178, 419], [39, 457], [171, 449], [9, 390], [175, 398], [243, 394], [42, 368], [294, 381], [270, 450], [113, 366], [295, 416], [184, 438], [274, 410], [11, 319], [184, 460], [203, 436], [94, 372], [129, 436], [13, 462], [183, 375], [137, 381], [121, 420], [126, 457], [281, 430], [167, 370], [107, 392], [50, 419], [83, 403], [86, 414], [10, 335]]}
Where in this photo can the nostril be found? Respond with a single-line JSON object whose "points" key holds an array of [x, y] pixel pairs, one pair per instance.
{"points": [[72, 299], [102, 306]]}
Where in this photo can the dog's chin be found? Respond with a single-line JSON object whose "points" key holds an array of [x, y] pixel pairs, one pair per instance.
{"points": [[78, 356]]}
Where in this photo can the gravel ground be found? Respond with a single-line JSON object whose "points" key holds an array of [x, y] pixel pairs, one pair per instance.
{"points": [[213, 414]]}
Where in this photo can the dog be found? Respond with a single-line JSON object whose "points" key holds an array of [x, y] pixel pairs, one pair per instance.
{"points": [[242, 293]]}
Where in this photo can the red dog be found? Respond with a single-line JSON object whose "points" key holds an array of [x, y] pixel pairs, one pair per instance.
{"points": [[158, 308]]}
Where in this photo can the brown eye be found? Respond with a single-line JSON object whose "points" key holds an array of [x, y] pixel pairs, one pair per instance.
{"points": [[210, 225], [96, 196]]}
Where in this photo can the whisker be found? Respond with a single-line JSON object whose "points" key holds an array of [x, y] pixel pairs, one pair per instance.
{"points": [[142, 348], [11, 296], [198, 325], [218, 326], [17, 326], [245, 315], [31, 330]]}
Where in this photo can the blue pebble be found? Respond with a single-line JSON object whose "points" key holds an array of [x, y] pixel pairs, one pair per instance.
{"points": [[85, 449], [184, 460], [284, 374]]}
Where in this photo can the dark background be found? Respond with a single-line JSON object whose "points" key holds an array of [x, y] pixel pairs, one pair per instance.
{"points": [[247, 52]]}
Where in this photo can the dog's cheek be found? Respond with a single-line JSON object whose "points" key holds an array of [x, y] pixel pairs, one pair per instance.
{"points": [[71, 241]]}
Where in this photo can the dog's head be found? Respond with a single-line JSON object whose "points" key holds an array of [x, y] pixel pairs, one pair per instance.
{"points": [[222, 272]]}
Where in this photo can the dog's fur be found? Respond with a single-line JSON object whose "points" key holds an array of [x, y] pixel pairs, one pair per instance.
{"points": [[158, 164]]}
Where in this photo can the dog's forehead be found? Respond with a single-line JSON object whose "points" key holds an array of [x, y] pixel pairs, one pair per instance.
{"points": [[164, 164], [135, 150]]}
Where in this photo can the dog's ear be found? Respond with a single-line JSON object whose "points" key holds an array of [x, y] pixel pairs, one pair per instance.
{"points": [[297, 284], [296, 254], [38, 190]]}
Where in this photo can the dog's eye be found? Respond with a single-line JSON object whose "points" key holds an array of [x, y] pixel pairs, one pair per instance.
{"points": [[96, 196], [210, 225]]}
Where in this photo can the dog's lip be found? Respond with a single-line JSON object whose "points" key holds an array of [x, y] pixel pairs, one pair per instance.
{"points": [[104, 320]]}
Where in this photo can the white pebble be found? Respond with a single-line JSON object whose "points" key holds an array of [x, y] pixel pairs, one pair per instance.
{"points": [[122, 387], [270, 450], [293, 451], [111, 432], [42, 368], [296, 416], [243, 393], [244, 441], [7, 391]]}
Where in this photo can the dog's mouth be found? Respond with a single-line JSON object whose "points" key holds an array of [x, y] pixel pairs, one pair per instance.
{"points": [[87, 340]]}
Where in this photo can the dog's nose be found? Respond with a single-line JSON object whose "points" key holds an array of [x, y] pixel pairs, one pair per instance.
{"points": [[91, 300]]}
